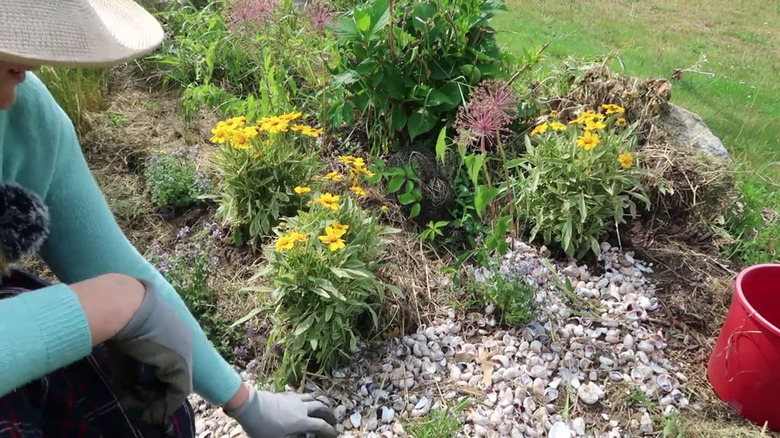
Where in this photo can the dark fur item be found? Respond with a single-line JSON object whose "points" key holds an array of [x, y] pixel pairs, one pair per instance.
{"points": [[24, 223]]}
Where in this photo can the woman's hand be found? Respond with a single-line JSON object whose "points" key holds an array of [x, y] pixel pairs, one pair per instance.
{"points": [[279, 415]]}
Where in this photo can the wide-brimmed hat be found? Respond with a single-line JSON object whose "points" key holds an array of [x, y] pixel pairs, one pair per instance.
{"points": [[76, 33]]}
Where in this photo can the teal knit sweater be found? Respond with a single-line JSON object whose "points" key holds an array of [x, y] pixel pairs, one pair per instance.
{"points": [[47, 329]]}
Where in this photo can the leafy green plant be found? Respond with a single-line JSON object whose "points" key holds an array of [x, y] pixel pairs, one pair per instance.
{"points": [[190, 267], [403, 183], [172, 180], [406, 65], [440, 423], [259, 167], [231, 51], [576, 182], [510, 292], [324, 293], [433, 231]]}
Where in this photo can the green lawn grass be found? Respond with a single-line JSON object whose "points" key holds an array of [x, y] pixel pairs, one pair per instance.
{"points": [[739, 98]]}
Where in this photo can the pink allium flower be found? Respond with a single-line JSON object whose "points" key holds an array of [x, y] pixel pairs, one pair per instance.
{"points": [[243, 15], [490, 109]]}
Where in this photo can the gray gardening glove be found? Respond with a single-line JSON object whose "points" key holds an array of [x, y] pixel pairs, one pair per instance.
{"points": [[156, 340], [280, 415]]}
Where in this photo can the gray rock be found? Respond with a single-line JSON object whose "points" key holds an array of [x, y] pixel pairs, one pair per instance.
{"points": [[688, 129]]}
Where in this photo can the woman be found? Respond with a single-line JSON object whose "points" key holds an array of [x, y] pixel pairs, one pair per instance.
{"points": [[112, 349]]}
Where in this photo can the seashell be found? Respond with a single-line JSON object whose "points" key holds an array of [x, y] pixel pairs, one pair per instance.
{"points": [[559, 430], [491, 344], [605, 361], [490, 308], [538, 386], [529, 405], [578, 426], [508, 340], [616, 375], [550, 394], [538, 371], [455, 328], [612, 339], [536, 346], [437, 355], [430, 333], [664, 382], [636, 315], [428, 367], [628, 341], [645, 346], [590, 393], [589, 350], [340, 412], [584, 364], [479, 419], [511, 373], [501, 360], [355, 419], [510, 349], [495, 418]]}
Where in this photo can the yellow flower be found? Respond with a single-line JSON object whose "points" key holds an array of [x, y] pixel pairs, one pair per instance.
{"points": [[235, 122], [540, 129], [594, 125], [311, 132], [586, 116], [302, 190], [384, 208], [338, 228], [588, 141], [358, 190], [553, 113], [334, 241], [557, 126], [334, 176], [359, 163], [328, 200], [288, 241], [273, 125], [240, 139], [626, 160], [360, 170], [347, 159], [289, 117], [613, 109], [297, 128], [620, 121], [222, 133]]}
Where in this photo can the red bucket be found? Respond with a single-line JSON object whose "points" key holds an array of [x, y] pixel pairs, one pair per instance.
{"points": [[744, 367]]}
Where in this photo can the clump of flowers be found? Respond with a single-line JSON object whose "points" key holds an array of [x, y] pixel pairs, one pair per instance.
{"points": [[323, 287], [578, 180], [262, 165]]}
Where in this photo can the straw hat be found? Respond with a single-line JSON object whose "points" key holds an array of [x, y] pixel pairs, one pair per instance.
{"points": [[75, 33]]}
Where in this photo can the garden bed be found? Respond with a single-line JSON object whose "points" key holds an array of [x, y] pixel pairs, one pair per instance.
{"points": [[604, 332]]}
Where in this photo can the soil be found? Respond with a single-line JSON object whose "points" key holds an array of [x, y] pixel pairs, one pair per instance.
{"points": [[695, 281]]}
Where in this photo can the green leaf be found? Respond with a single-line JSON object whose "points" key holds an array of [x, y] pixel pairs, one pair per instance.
{"points": [[420, 122], [441, 144], [406, 198], [482, 197], [362, 21], [313, 342], [328, 313], [399, 117], [305, 325], [415, 211], [395, 183]]}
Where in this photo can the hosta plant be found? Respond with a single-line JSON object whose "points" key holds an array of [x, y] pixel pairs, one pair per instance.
{"points": [[578, 180]]}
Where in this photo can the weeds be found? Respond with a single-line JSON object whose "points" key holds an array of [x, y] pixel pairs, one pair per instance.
{"points": [[78, 91], [172, 180]]}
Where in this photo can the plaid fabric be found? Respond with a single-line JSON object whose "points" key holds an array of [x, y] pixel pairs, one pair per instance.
{"points": [[75, 401]]}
